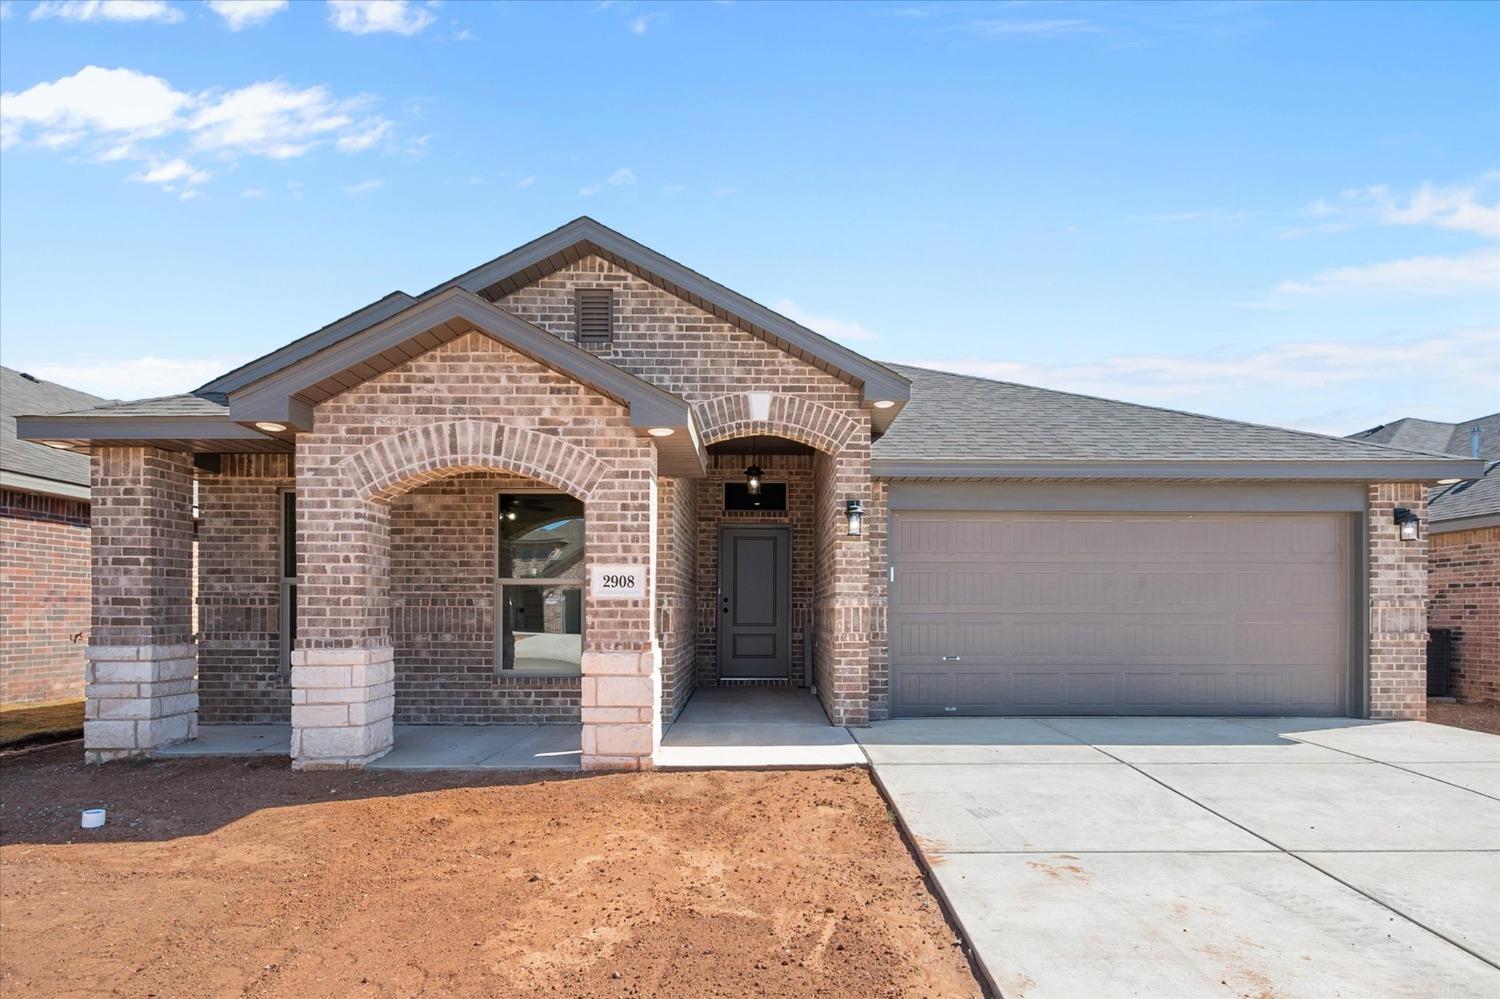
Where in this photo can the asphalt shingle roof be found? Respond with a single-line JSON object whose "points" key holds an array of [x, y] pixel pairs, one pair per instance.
{"points": [[1477, 498], [23, 395], [965, 417], [165, 405]]}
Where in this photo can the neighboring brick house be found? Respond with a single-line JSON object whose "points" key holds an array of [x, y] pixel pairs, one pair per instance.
{"points": [[581, 480], [44, 550], [1463, 567]]}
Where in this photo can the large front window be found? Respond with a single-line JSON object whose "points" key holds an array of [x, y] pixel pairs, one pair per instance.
{"points": [[540, 583]]}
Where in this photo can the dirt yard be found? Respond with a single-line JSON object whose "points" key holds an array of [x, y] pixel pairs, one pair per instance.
{"points": [[1481, 716], [233, 877]]}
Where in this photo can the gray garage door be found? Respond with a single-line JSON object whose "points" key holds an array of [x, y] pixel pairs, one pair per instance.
{"points": [[1067, 613]]}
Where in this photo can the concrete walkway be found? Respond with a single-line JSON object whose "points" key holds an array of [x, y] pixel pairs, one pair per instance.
{"points": [[1162, 857], [755, 727]]}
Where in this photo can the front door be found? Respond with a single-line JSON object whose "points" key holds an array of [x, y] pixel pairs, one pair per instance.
{"points": [[755, 605]]}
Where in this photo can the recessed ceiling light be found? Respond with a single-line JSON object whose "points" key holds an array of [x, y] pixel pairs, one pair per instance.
{"points": [[661, 431], [1448, 482], [884, 404], [271, 428]]}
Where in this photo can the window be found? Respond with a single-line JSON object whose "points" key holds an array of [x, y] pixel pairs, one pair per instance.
{"points": [[595, 316], [539, 584], [772, 498], [288, 605]]}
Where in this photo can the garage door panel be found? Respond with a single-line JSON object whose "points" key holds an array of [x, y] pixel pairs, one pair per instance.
{"points": [[1098, 613]]}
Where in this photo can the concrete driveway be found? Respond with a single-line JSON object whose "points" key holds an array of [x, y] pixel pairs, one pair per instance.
{"points": [[1164, 857]]}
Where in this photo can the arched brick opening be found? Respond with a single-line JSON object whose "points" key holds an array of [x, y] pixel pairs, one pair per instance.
{"points": [[792, 417], [398, 464]]}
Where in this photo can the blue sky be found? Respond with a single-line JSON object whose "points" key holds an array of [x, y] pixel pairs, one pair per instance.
{"points": [[1287, 213]]}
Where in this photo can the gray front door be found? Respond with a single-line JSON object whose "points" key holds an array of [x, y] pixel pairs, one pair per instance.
{"points": [[755, 605]]}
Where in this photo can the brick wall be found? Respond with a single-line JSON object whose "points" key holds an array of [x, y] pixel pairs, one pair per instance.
{"points": [[796, 472], [240, 675], [1398, 605], [713, 364], [1464, 590], [842, 619], [877, 535], [676, 591], [443, 541], [471, 405], [44, 597]]}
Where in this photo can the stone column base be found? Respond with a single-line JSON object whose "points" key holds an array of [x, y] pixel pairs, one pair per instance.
{"points": [[621, 723], [138, 698], [343, 701]]}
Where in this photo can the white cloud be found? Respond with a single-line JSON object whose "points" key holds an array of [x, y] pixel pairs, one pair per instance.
{"points": [[136, 378], [1431, 275], [254, 193], [1457, 207], [4, 9], [114, 115], [92, 101], [526, 182], [368, 17], [1340, 386], [622, 177], [645, 22], [364, 187], [829, 326], [241, 14], [376, 130], [107, 10], [1033, 28], [173, 172]]}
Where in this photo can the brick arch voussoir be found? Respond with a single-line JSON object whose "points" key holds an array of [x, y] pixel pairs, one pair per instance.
{"points": [[402, 462], [795, 418]]}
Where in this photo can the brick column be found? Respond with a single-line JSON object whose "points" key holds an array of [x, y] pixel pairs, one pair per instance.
{"points": [[842, 619], [621, 688], [1397, 592], [343, 667], [141, 675]]}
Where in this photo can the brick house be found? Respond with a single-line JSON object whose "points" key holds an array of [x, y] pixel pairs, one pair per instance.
{"points": [[44, 550], [1463, 568], [392, 509]]}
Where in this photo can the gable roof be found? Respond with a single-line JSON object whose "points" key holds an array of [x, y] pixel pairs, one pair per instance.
{"points": [[215, 422], [569, 243], [36, 467], [1460, 505], [961, 426]]}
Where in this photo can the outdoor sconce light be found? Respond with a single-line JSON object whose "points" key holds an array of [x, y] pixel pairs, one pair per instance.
{"points": [[752, 480], [855, 511], [1407, 522]]}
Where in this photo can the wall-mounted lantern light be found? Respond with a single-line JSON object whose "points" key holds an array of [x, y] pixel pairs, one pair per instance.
{"points": [[1407, 522], [855, 511], [752, 480]]}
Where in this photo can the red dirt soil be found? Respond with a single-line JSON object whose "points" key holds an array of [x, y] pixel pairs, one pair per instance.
{"points": [[234, 877]]}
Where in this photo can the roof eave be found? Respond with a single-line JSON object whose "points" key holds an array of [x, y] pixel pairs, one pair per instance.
{"points": [[1351, 470], [22, 482], [1473, 522]]}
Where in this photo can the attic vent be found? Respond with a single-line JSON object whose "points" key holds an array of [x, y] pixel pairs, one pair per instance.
{"points": [[595, 311]]}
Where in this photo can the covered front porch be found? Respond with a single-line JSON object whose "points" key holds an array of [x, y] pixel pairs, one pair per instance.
{"points": [[729, 727]]}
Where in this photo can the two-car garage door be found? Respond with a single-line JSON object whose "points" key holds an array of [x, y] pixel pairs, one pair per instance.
{"points": [[1129, 613]]}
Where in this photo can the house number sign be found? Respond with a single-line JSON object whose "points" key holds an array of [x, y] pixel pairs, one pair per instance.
{"points": [[617, 582]]}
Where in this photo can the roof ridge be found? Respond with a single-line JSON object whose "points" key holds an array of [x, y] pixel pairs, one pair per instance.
{"points": [[1179, 412]]}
